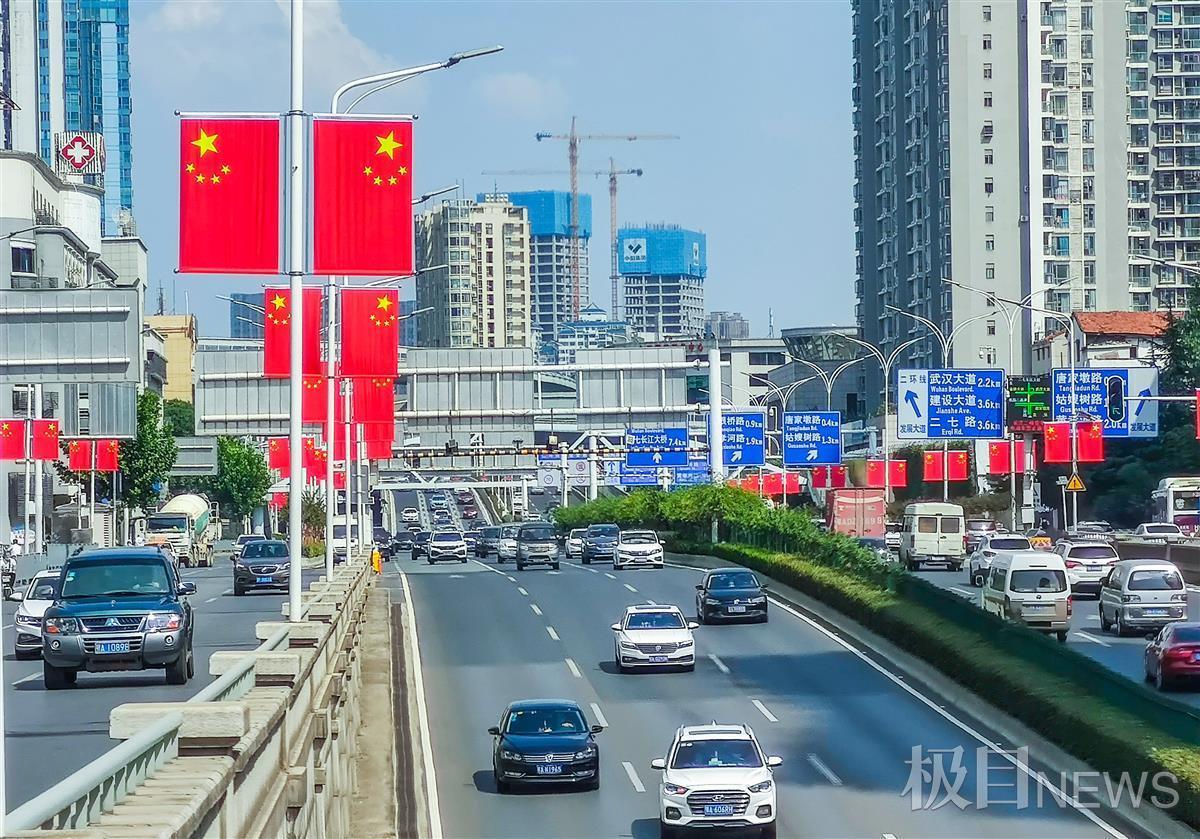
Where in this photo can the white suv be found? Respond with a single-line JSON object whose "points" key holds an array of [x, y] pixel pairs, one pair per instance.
{"points": [[638, 547], [1088, 563], [654, 636], [716, 777], [410, 514], [446, 545]]}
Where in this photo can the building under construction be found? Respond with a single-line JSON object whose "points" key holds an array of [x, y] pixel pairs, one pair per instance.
{"points": [[662, 268]]}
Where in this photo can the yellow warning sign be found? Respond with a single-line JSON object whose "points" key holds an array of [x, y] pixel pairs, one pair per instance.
{"points": [[1075, 484]]}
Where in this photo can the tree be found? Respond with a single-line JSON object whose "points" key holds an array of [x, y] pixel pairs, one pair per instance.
{"points": [[147, 459], [179, 417], [242, 478], [312, 514]]}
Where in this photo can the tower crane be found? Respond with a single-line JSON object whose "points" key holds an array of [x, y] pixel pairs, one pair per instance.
{"points": [[613, 173], [573, 139]]}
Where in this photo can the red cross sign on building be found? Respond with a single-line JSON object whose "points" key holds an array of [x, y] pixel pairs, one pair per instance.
{"points": [[80, 152]]}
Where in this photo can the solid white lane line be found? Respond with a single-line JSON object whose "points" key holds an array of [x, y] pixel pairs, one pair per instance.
{"points": [[574, 668], [553, 635], [511, 579], [765, 711], [431, 792], [28, 678], [1089, 637], [535, 608], [589, 570], [633, 776], [720, 664], [631, 588], [610, 576], [211, 599], [523, 591], [599, 715], [820, 766]]}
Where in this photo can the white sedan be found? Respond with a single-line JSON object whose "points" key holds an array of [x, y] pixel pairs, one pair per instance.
{"points": [[654, 636], [410, 514], [638, 548], [35, 600], [1158, 531], [575, 542]]}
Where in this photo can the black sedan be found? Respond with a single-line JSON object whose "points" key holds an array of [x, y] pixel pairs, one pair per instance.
{"points": [[402, 541], [542, 741], [421, 543], [731, 594], [263, 565]]}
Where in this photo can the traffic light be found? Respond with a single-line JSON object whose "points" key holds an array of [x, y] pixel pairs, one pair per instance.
{"points": [[1115, 399]]}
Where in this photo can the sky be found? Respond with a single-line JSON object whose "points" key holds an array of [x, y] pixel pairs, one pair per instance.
{"points": [[759, 94]]}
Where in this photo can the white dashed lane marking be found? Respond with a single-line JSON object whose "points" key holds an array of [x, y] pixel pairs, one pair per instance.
{"points": [[574, 668], [633, 777], [535, 608], [765, 711], [553, 635]]}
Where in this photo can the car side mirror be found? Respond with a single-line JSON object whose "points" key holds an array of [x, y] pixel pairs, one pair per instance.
{"points": [[658, 763], [764, 586], [616, 627], [596, 729], [699, 587], [774, 760], [1150, 636], [16, 596], [187, 588], [494, 731], [693, 625]]}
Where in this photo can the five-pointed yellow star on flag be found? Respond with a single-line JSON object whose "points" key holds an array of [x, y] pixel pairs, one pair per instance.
{"points": [[216, 179], [388, 145], [206, 143], [378, 181], [278, 301], [367, 170], [384, 303], [392, 180], [199, 179], [191, 167], [224, 170], [402, 170]]}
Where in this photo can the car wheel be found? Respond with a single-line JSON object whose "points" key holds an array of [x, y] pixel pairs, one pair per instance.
{"points": [[429, 559], [1105, 623], [1062, 637], [520, 565], [1161, 681], [502, 787], [768, 831], [555, 566], [55, 678], [177, 670], [1118, 625], [238, 591], [25, 655], [764, 618], [594, 783], [689, 668], [463, 560], [586, 561], [667, 831]]}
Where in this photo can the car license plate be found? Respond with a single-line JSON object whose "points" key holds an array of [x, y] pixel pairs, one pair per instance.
{"points": [[1036, 607], [736, 610], [658, 659], [112, 647], [1093, 568], [267, 580], [549, 768], [1155, 613], [718, 809]]}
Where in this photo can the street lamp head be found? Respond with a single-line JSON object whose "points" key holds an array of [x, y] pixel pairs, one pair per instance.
{"points": [[463, 56]]}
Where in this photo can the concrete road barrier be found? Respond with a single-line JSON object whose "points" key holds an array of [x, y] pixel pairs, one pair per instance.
{"points": [[1185, 555]]}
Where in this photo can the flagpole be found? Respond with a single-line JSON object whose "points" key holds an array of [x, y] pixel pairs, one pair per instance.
{"points": [[38, 527], [346, 405], [330, 422], [92, 496], [295, 271]]}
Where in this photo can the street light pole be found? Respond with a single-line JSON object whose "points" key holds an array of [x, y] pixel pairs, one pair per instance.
{"points": [[295, 270]]}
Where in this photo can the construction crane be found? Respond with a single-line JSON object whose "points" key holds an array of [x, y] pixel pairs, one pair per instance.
{"points": [[573, 139], [613, 173]]}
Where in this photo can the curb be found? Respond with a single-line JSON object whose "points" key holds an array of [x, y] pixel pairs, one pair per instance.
{"points": [[926, 679]]}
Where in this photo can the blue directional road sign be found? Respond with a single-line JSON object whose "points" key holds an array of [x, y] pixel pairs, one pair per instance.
{"points": [[744, 435], [949, 404], [1114, 395], [812, 438], [643, 446]]}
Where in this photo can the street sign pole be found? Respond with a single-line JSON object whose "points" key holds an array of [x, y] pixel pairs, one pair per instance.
{"points": [[716, 441], [297, 241], [945, 469]]}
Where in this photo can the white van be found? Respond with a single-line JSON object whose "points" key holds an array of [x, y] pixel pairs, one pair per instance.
{"points": [[1030, 587], [933, 532], [1142, 594]]}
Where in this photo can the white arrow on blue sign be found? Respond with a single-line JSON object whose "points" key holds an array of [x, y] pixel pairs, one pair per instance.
{"points": [[812, 438], [744, 438], [949, 404], [644, 446]]}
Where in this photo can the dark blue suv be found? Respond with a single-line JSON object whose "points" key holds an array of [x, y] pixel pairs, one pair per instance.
{"points": [[119, 609]]}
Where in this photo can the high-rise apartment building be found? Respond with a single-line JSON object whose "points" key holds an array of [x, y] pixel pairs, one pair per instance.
{"points": [[991, 151], [726, 326], [246, 316], [477, 286], [64, 64], [551, 282], [662, 270]]}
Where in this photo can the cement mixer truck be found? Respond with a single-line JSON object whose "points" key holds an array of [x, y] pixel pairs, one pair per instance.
{"points": [[184, 526]]}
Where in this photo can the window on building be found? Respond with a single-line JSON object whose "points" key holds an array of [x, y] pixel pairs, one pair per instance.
{"points": [[24, 259], [991, 327], [989, 213], [1085, 18], [988, 157], [989, 242], [987, 13], [987, 42], [988, 186], [1085, 46], [989, 271], [987, 99], [987, 71]]}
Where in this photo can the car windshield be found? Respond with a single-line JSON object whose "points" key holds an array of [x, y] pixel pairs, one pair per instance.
{"points": [[120, 578], [738, 579], [700, 754], [655, 620], [980, 526], [1186, 635], [265, 550], [1010, 543], [490, 532], [577, 533], [448, 536], [638, 537], [244, 538], [43, 588], [339, 531], [423, 536], [1031, 580], [1162, 528], [1156, 580], [1093, 552], [508, 533], [603, 530], [537, 534], [545, 721]]}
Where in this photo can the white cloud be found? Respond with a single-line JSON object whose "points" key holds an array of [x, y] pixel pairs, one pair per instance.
{"points": [[183, 15], [521, 94]]}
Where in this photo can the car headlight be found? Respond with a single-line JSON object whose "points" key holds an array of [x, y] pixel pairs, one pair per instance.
{"points": [[163, 622], [626, 645], [584, 754], [763, 787], [758, 601], [507, 755], [61, 626], [674, 789], [712, 601], [28, 620], [683, 644]]}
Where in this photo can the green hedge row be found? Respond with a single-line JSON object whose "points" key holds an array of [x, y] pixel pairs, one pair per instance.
{"points": [[1061, 710]]}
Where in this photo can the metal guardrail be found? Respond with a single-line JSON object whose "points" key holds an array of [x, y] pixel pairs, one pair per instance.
{"points": [[97, 788]]}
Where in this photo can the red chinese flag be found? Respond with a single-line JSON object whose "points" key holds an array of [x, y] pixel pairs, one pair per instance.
{"points": [[378, 431], [320, 460], [1057, 442], [229, 196], [277, 332], [278, 451], [379, 449], [875, 473], [373, 401], [837, 477], [310, 455], [960, 465], [1091, 442], [362, 197], [339, 441], [12, 439], [898, 473], [998, 458], [370, 332], [279, 500], [79, 455], [820, 477], [1197, 414], [935, 466], [108, 455], [312, 400], [44, 439]]}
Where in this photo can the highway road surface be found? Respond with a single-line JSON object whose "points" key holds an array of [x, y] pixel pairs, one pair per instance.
{"points": [[845, 727], [50, 735]]}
